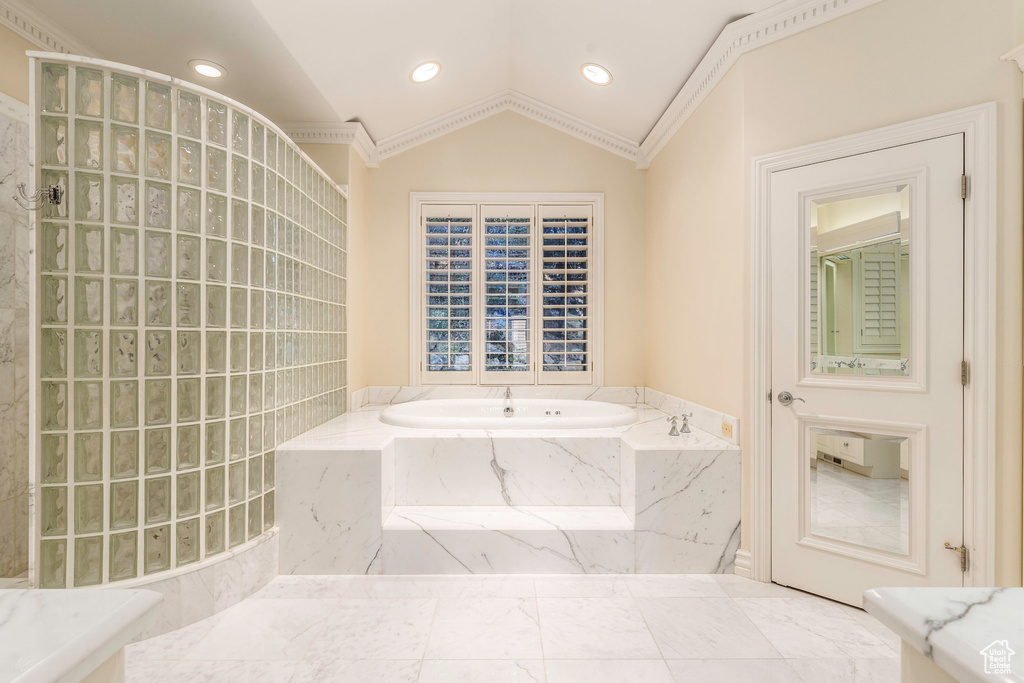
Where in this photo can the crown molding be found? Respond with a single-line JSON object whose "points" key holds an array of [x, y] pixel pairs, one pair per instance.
{"points": [[741, 36], [1015, 55], [39, 30], [352, 133]]}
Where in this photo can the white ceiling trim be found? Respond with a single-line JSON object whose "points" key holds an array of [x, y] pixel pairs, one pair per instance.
{"points": [[352, 133], [39, 30], [741, 36]]}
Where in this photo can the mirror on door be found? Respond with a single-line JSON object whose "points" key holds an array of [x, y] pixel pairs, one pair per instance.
{"points": [[860, 283], [859, 489]]}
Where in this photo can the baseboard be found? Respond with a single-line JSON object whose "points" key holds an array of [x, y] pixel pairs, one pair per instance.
{"points": [[743, 564]]}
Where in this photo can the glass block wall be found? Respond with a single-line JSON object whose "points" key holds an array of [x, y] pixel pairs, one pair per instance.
{"points": [[190, 317]]}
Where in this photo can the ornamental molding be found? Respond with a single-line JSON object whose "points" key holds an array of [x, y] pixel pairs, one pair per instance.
{"points": [[352, 133], [39, 30]]}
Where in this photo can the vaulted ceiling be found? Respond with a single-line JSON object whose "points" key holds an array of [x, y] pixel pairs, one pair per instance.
{"points": [[332, 61]]}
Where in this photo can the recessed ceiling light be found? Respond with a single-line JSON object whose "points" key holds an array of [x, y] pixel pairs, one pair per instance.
{"points": [[207, 68], [596, 74], [427, 71]]}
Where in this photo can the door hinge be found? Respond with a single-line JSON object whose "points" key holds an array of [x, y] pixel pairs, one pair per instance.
{"points": [[962, 551], [963, 186], [965, 373]]}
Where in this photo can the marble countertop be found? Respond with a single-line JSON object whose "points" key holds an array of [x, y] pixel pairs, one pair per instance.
{"points": [[362, 430], [952, 626], [50, 636]]}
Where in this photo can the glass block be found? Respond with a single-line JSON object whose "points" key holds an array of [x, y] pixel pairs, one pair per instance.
{"points": [[236, 525], [268, 428], [268, 511], [255, 392], [158, 155], [188, 446], [52, 564], [89, 301], [256, 310], [188, 494], [216, 343], [89, 197], [236, 482], [124, 302], [188, 353], [54, 345], [89, 509], [123, 353], [215, 533], [158, 105], [158, 401], [54, 252], [60, 179], [256, 267], [54, 460], [188, 257], [256, 231], [269, 473], [257, 183], [187, 541], [124, 98], [88, 144], [239, 176], [216, 123], [189, 408], [124, 251], [88, 350], [189, 215], [89, 456], [239, 220], [54, 510], [54, 299], [188, 304], [124, 404], [271, 149], [124, 198], [89, 248], [190, 162], [88, 405], [239, 307], [239, 264], [89, 90], [158, 205], [88, 561], [55, 92], [124, 454], [216, 397], [125, 142], [216, 306], [124, 556], [158, 303], [158, 254], [216, 215], [54, 134], [238, 352], [239, 132], [54, 405], [237, 395], [124, 504], [257, 141], [216, 260], [255, 476], [158, 500], [255, 351], [215, 436], [255, 518], [157, 550], [216, 169], [188, 114]]}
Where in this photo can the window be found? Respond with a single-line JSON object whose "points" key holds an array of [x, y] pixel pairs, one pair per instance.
{"points": [[505, 292]]}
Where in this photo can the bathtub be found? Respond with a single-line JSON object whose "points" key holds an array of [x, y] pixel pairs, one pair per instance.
{"points": [[488, 413]]}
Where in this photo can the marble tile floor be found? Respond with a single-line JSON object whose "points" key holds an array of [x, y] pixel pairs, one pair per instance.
{"points": [[591, 629], [850, 507]]}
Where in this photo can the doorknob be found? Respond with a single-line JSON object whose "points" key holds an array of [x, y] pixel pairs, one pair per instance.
{"points": [[786, 398]]}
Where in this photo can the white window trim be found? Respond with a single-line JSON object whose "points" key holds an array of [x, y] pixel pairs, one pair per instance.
{"points": [[416, 259]]}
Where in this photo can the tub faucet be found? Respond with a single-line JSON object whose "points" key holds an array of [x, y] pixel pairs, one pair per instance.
{"points": [[685, 429], [509, 411], [675, 429]]}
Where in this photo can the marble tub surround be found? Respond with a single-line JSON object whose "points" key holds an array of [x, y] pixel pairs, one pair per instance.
{"points": [[953, 626], [357, 496], [66, 635]]}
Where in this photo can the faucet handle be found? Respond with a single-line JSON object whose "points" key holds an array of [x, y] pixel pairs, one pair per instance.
{"points": [[686, 422], [674, 431]]}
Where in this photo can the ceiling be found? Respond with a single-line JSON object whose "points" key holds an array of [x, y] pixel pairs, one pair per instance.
{"points": [[331, 61]]}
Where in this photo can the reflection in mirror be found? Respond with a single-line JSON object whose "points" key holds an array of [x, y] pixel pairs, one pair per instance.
{"points": [[860, 283], [859, 489]]}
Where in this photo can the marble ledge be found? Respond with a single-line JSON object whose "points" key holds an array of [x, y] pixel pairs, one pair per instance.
{"points": [[64, 635], [955, 627]]}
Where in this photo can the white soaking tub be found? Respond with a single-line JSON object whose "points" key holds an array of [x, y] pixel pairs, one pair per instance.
{"points": [[488, 413]]}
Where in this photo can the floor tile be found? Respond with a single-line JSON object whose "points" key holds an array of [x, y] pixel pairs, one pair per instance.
{"points": [[453, 587], [174, 645], [231, 672], [675, 586], [375, 629], [594, 628], [582, 587], [703, 628], [264, 630], [874, 626], [733, 671], [285, 587], [847, 670], [357, 671], [607, 671], [463, 671], [146, 670], [739, 587], [485, 628]]}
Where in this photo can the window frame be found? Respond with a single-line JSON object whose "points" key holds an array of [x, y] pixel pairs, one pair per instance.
{"points": [[418, 376]]}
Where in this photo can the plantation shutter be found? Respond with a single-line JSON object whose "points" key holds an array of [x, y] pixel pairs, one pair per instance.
{"points": [[879, 301], [566, 267], [448, 294], [507, 275]]}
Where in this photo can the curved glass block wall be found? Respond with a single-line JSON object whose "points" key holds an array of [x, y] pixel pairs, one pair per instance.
{"points": [[190, 316]]}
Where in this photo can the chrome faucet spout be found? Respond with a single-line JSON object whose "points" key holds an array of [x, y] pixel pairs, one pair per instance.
{"points": [[509, 411]]}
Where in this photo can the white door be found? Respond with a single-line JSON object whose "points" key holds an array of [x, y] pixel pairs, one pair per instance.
{"points": [[867, 349]]}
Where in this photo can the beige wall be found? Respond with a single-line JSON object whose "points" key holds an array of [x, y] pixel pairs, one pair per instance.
{"points": [[504, 153], [895, 61], [14, 64]]}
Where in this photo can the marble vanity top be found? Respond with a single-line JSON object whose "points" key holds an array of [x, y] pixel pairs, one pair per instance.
{"points": [[955, 627], [50, 636]]}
